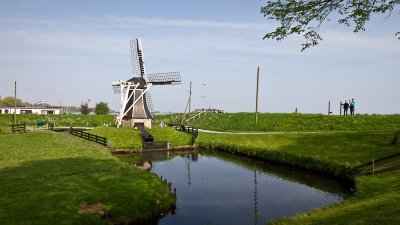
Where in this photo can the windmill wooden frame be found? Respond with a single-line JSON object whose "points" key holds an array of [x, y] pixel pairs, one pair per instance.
{"points": [[135, 101]]}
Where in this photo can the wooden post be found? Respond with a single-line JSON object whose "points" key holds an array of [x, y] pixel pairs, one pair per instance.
{"points": [[373, 166], [258, 76], [341, 108], [329, 108], [15, 102]]}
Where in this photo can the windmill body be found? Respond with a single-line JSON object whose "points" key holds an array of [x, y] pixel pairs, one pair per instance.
{"points": [[135, 101]]}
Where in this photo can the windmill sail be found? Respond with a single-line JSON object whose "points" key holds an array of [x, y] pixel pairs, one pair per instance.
{"points": [[164, 78], [137, 58]]}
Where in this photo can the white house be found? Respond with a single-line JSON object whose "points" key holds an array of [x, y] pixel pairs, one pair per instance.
{"points": [[30, 110]]}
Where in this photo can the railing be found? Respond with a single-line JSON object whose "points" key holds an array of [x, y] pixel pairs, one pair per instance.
{"points": [[188, 129], [89, 136], [18, 127], [193, 117]]}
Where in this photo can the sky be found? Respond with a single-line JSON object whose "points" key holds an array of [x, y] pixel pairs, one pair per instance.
{"points": [[66, 52]]}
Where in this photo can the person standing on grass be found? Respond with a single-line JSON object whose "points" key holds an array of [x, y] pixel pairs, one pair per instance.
{"points": [[345, 107], [352, 106]]}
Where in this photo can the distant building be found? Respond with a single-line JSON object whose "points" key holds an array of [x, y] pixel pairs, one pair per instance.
{"points": [[30, 110]]}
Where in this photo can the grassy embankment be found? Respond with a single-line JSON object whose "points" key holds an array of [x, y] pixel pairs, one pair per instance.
{"points": [[338, 152], [53, 178], [59, 120], [286, 122], [119, 138], [128, 138]]}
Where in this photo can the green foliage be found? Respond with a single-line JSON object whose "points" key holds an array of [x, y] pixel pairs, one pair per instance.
{"points": [[101, 108], [306, 16], [286, 122], [10, 101], [120, 138], [46, 178]]}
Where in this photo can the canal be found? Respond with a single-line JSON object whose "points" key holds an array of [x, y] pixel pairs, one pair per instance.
{"points": [[220, 188]]}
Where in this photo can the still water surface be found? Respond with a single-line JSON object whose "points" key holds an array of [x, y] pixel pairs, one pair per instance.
{"points": [[218, 188]]}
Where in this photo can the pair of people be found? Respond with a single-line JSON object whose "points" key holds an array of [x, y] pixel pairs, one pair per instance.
{"points": [[350, 105]]}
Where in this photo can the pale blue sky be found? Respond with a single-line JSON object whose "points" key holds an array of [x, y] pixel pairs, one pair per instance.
{"points": [[71, 51]]}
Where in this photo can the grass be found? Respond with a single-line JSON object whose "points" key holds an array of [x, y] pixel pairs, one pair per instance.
{"points": [[48, 178], [337, 153], [120, 138], [289, 122], [377, 202], [128, 138], [174, 137], [59, 120]]}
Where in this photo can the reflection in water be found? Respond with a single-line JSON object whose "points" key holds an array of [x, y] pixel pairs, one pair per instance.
{"points": [[218, 188]]}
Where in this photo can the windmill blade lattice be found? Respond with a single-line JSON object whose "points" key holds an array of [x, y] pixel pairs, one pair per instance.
{"points": [[149, 103], [164, 78], [138, 68]]}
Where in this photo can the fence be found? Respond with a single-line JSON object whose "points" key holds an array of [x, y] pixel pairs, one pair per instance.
{"points": [[18, 127], [89, 136], [188, 129]]}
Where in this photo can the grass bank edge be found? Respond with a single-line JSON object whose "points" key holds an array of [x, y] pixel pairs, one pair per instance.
{"points": [[338, 154], [376, 201]]}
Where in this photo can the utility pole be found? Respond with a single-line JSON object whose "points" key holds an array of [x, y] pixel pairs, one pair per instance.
{"points": [[190, 96], [258, 77], [15, 102]]}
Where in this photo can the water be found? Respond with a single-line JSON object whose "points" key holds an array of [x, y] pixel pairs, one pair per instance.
{"points": [[218, 188]]}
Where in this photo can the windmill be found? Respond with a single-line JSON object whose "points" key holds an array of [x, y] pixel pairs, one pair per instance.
{"points": [[135, 101]]}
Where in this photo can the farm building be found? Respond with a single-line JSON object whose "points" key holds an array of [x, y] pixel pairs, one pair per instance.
{"points": [[30, 110]]}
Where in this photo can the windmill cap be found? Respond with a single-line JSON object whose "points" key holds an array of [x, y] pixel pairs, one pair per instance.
{"points": [[141, 81]]}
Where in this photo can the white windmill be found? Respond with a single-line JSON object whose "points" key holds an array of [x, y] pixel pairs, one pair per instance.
{"points": [[136, 106]]}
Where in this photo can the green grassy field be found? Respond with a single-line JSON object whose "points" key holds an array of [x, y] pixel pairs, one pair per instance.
{"points": [[377, 202], [351, 142], [128, 138], [120, 138], [59, 120], [53, 178], [337, 153], [290, 122], [171, 135]]}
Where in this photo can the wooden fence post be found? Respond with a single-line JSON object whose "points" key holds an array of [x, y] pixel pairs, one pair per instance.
{"points": [[373, 166]]}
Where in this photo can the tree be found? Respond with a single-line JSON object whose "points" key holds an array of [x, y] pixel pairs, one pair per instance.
{"points": [[10, 101], [84, 108], [101, 108], [306, 16]]}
